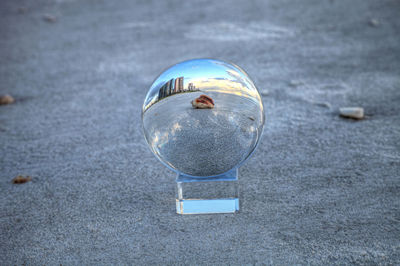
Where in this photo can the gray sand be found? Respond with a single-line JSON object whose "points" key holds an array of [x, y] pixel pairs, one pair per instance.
{"points": [[320, 189]]}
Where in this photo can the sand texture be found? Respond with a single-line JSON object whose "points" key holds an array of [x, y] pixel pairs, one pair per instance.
{"points": [[320, 189]]}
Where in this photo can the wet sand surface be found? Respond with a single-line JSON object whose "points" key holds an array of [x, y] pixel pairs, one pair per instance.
{"points": [[320, 189]]}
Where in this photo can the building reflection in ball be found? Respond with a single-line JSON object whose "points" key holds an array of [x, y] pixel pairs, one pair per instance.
{"points": [[203, 117]]}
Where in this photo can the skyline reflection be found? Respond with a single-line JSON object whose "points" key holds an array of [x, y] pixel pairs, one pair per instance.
{"points": [[190, 76]]}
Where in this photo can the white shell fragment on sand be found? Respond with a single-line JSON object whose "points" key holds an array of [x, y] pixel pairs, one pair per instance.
{"points": [[352, 112], [295, 83], [374, 23]]}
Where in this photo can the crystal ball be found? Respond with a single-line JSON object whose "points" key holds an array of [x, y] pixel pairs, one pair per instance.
{"points": [[203, 117]]}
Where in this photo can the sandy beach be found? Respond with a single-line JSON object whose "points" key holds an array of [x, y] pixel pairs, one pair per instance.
{"points": [[320, 189]]}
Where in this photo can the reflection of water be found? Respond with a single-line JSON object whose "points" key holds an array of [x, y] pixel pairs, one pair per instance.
{"points": [[203, 142]]}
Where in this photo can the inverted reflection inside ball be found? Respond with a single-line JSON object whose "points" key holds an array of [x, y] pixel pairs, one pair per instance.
{"points": [[209, 138]]}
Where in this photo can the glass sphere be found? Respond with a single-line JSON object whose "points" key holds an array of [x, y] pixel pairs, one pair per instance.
{"points": [[203, 117]]}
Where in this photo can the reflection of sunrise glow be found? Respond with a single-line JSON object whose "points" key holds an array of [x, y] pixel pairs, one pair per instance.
{"points": [[156, 138], [225, 86]]}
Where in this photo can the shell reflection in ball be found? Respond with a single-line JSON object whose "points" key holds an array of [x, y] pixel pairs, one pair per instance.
{"points": [[203, 117]]}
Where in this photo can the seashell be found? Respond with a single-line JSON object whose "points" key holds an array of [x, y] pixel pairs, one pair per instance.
{"points": [[21, 179], [6, 99], [352, 112], [203, 102]]}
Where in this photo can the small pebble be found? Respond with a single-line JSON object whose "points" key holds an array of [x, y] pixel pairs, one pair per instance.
{"points": [[352, 112], [296, 83], [374, 23], [322, 104], [21, 179], [6, 99], [49, 18]]}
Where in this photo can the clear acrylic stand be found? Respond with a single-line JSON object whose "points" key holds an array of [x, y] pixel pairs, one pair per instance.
{"points": [[218, 194]]}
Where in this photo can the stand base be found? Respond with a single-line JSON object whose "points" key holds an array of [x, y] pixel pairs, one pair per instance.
{"points": [[208, 195]]}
